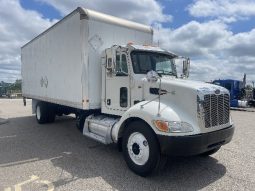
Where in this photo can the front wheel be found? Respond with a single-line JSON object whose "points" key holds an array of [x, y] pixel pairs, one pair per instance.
{"points": [[140, 148]]}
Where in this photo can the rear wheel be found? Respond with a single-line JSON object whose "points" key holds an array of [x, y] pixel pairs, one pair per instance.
{"points": [[41, 113], [140, 148], [45, 113], [51, 113]]}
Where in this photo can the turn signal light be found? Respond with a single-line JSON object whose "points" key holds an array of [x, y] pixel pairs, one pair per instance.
{"points": [[161, 125]]}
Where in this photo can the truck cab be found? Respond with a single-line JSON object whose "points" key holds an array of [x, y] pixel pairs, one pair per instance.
{"points": [[124, 70], [153, 112]]}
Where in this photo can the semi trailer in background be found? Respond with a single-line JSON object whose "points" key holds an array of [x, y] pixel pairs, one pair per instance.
{"points": [[235, 88], [123, 90], [240, 96]]}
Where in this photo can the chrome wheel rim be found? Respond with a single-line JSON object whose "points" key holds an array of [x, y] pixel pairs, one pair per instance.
{"points": [[138, 148]]}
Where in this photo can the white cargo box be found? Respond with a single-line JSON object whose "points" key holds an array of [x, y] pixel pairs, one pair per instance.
{"points": [[63, 64]]}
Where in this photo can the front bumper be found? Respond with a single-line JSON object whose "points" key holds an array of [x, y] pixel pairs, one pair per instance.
{"points": [[194, 144]]}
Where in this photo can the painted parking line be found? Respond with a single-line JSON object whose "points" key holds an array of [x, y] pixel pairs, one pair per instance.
{"points": [[47, 183], [18, 186], [33, 179]]}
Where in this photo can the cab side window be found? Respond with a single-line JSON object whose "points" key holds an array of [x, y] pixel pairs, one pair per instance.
{"points": [[124, 63], [118, 68], [121, 65]]}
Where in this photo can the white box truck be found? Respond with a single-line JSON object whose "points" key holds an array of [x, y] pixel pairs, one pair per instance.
{"points": [[123, 90]]}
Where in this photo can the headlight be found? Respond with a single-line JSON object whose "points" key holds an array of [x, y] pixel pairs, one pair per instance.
{"points": [[180, 127], [173, 126], [200, 107]]}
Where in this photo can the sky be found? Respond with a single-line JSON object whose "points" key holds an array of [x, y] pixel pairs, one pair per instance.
{"points": [[218, 36]]}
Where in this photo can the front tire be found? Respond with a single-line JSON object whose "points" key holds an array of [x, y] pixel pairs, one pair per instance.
{"points": [[140, 148]]}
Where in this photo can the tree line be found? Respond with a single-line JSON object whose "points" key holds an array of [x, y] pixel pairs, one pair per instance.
{"points": [[10, 89]]}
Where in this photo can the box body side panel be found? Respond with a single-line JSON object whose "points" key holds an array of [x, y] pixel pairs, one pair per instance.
{"points": [[63, 65], [52, 65]]}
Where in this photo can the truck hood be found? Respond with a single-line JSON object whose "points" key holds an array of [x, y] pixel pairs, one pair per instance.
{"points": [[181, 96], [191, 85]]}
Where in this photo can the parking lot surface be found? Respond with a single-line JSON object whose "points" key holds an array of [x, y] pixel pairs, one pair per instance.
{"points": [[58, 157]]}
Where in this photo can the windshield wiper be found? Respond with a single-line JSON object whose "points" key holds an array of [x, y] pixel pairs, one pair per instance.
{"points": [[121, 73], [162, 72], [170, 73]]}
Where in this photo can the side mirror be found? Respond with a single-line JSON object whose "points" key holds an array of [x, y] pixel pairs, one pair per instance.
{"points": [[152, 76], [186, 67]]}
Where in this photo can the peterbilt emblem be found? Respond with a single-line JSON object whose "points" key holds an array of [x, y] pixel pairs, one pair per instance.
{"points": [[217, 91]]}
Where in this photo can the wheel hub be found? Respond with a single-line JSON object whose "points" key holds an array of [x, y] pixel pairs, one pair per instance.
{"points": [[135, 148], [138, 148]]}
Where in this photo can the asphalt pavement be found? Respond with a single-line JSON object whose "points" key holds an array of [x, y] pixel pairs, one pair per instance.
{"points": [[58, 157]]}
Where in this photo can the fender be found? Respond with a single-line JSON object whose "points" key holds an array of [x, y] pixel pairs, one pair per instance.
{"points": [[147, 113]]}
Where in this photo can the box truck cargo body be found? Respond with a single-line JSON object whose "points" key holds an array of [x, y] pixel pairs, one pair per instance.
{"points": [[123, 90], [63, 64]]}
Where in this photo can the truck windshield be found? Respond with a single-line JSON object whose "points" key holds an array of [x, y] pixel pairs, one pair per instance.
{"points": [[144, 62]]}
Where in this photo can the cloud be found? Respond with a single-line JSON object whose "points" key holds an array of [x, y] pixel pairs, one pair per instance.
{"points": [[215, 51], [227, 10], [242, 44], [143, 11], [17, 26], [194, 38]]}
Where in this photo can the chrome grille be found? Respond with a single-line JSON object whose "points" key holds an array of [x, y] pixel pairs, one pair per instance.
{"points": [[216, 109]]}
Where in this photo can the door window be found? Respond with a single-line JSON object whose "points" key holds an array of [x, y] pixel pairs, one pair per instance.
{"points": [[121, 65], [118, 68]]}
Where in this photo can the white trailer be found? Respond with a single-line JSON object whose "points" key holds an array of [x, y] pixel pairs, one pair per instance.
{"points": [[123, 90]]}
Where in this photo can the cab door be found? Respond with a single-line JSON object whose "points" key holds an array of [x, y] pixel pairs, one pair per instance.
{"points": [[117, 91]]}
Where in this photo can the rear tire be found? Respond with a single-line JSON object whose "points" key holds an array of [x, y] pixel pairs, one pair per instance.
{"points": [[41, 113], [45, 113], [208, 153], [141, 148], [51, 113]]}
